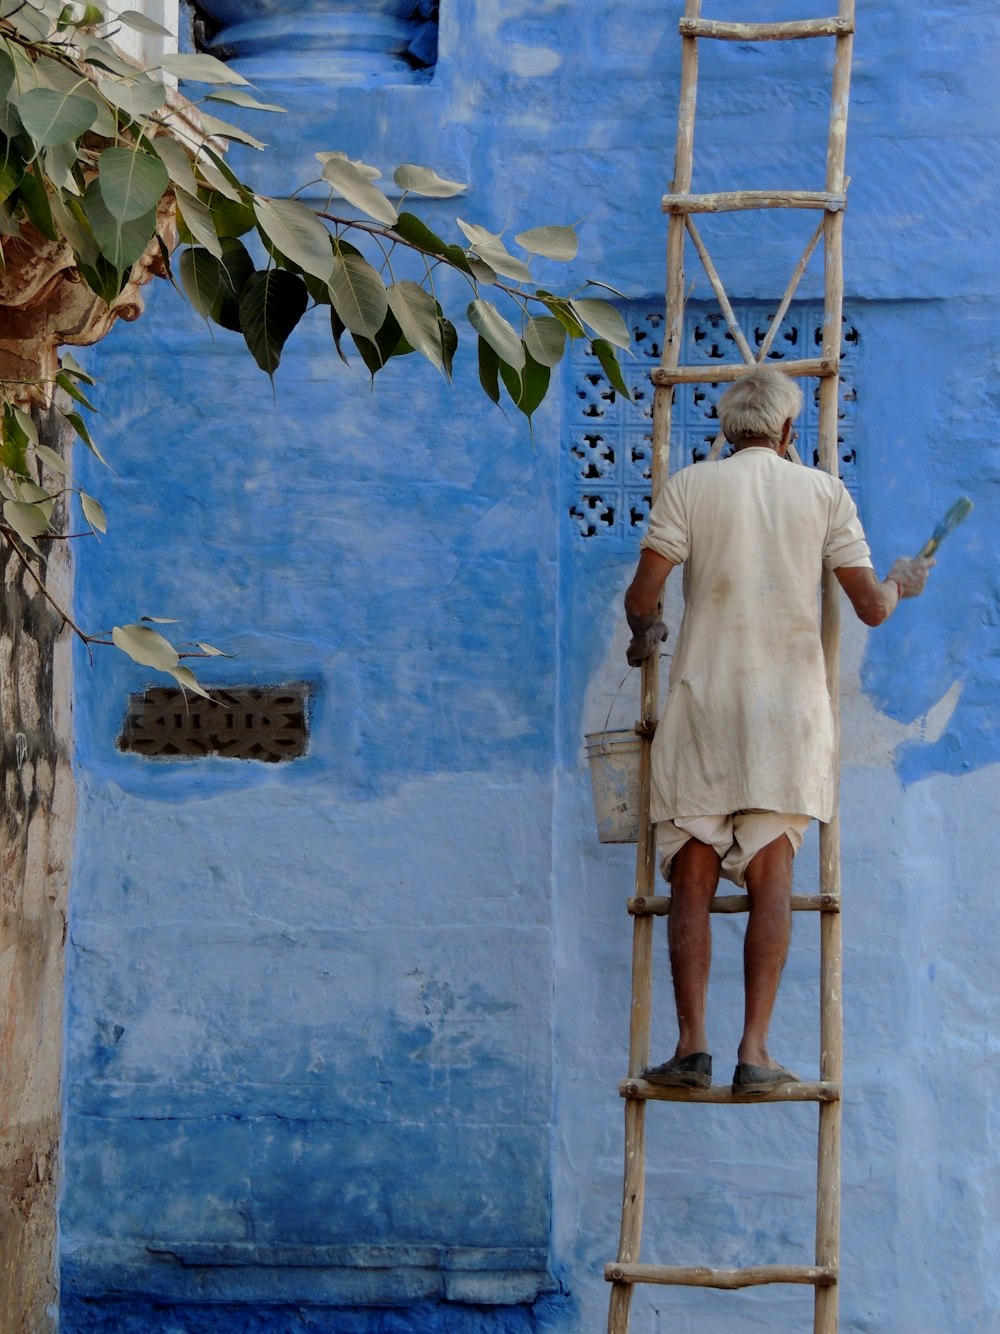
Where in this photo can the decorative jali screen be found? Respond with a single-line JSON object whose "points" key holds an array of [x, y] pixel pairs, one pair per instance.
{"points": [[608, 455], [240, 723]]}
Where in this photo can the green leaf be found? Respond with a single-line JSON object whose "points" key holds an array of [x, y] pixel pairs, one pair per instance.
{"points": [[121, 243], [606, 356], [11, 172], [52, 117], [237, 97], [61, 78], [27, 520], [222, 128], [528, 386], [545, 339], [491, 249], [187, 680], [198, 219], [212, 651], [367, 170], [137, 97], [80, 427], [38, 496], [389, 342], [35, 199], [145, 646], [416, 312], [498, 332], [72, 367], [14, 444], [562, 310], [235, 271], [201, 69], [28, 427], [605, 321], [201, 278], [489, 370], [349, 181], [426, 181], [52, 460], [103, 278], [449, 343], [69, 217], [551, 242], [59, 161], [93, 512], [133, 19], [132, 182], [6, 75], [339, 328], [271, 306], [416, 232], [176, 161], [65, 382], [214, 175], [297, 232], [358, 294], [100, 53]]}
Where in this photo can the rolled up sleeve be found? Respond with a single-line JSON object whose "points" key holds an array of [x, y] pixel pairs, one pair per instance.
{"points": [[667, 534], [845, 545]]}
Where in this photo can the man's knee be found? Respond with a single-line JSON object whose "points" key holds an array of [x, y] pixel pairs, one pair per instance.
{"points": [[695, 869]]}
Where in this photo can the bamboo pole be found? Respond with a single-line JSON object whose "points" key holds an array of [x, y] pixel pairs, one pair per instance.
{"points": [[633, 1195], [659, 905], [826, 1311], [720, 293], [699, 1277], [733, 201], [723, 372], [789, 293], [765, 32]]}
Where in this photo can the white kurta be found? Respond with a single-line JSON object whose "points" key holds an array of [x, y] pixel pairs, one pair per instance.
{"points": [[748, 723]]}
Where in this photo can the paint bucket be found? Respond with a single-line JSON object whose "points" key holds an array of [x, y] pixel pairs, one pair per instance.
{"points": [[614, 779]]}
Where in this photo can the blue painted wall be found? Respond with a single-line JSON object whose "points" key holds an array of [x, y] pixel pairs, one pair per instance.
{"points": [[344, 1035]]}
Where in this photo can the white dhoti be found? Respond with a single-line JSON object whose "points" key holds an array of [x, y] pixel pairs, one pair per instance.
{"points": [[736, 838]]}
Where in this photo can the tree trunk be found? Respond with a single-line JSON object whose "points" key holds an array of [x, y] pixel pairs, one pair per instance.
{"points": [[35, 845]]}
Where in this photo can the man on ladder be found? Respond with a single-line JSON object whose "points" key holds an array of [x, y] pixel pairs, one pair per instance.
{"points": [[743, 756]]}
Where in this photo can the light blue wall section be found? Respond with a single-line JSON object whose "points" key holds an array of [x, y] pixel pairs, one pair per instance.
{"points": [[344, 1035]]}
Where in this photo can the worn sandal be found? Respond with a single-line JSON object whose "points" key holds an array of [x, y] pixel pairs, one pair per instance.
{"points": [[760, 1078], [692, 1072]]}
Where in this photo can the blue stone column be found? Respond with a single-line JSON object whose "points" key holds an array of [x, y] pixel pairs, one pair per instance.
{"points": [[334, 42]]}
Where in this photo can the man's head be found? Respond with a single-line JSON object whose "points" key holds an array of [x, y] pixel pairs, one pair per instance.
{"points": [[759, 406]]}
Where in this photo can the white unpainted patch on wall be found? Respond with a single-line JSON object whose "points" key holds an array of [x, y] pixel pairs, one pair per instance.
{"points": [[532, 62]]}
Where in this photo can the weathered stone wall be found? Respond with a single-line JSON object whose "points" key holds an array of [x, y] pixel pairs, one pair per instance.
{"points": [[36, 831]]}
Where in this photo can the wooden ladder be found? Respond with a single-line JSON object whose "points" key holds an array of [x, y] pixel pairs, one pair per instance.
{"points": [[681, 205]]}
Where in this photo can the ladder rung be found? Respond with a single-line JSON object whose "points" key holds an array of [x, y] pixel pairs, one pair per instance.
{"points": [[822, 1091], [730, 201], [734, 370], [659, 904], [821, 1276], [767, 32]]}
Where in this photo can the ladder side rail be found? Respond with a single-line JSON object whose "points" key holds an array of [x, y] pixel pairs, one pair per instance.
{"points": [[633, 1195], [828, 1166]]}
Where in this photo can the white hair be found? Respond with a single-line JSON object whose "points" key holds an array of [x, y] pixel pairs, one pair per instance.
{"points": [[758, 405]]}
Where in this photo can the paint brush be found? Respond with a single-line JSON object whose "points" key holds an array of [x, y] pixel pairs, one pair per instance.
{"points": [[959, 511]]}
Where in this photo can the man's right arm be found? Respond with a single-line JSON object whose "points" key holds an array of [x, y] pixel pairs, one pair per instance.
{"points": [[874, 599], [642, 606]]}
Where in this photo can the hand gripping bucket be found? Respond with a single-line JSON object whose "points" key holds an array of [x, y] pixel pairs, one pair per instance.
{"points": [[614, 778]]}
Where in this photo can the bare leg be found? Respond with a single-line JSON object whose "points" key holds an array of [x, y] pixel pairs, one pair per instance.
{"points": [[694, 878], [765, 948]]}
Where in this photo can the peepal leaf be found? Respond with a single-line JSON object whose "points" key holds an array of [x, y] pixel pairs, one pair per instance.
{"points": [[201, 279], [201, 69], [93, 512], [545, 339], [349, 181], [294, 229], [417, 314], [271, 306], [145, 646], [358, 294], [497, 331], [52, 117], [187, 680], [603, 319], [133, 19], [550, 242], [609, 363], [426, 181], [132, 182], [528, 387]]}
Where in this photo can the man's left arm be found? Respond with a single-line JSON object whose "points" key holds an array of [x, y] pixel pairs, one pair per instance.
{"points": [[642, 604]]}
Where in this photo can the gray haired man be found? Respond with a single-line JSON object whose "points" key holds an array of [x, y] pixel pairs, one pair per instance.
{"points": [[743, 757]]}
